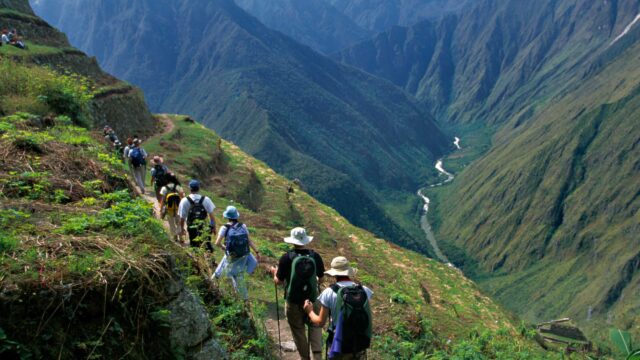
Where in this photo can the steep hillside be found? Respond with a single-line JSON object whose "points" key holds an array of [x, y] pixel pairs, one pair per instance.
{"points": [[115, 102], [547, 219], [558, 226], [311, 22], [381, 15], [345, 134], [419, 303], [491, 62]]}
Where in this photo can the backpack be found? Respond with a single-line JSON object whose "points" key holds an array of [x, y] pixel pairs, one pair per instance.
{"points": [[236, 241], [160, 175], [352, 308], [197, 211], [303, 284], [137, 157], [172, 200]]}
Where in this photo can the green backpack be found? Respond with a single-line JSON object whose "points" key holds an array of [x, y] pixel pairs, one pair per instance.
{"points": [[303, 283]]}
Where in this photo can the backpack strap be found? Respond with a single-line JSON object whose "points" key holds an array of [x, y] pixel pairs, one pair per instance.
{"points": [[191, 200], [335, 287], [202, 200]]}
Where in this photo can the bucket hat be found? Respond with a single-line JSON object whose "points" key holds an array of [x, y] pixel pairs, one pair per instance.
{"points": [[298, 237], [340, 267], [231, 213], [158, 160]]}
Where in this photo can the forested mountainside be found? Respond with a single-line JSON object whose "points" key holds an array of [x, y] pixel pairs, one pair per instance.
{"points": [[381, 15], [315, 23], [86, 271], [548, 219], [345, 134]]}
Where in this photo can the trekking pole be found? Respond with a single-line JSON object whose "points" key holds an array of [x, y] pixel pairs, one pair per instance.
{"points": [[278, 318]]}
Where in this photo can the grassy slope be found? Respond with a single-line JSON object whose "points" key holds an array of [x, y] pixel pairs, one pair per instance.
{"points": [[559, 204], [397, 276]]}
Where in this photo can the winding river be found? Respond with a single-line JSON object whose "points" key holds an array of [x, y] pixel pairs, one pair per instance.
{"points": [[424, 221]]}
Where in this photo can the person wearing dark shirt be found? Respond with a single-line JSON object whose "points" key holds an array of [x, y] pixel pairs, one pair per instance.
{"points": [[305, 335]]}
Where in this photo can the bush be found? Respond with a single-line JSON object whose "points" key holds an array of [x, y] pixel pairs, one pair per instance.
{"points": [[41, 91]]}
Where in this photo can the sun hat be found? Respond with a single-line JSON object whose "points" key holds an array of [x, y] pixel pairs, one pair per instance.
{"points": [[298, 237], [231, 213], [157, 160], [194, 185], [340, 267]]}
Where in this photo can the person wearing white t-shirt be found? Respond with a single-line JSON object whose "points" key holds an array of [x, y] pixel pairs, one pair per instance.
{"points": [[196, 229], [343, 273]]}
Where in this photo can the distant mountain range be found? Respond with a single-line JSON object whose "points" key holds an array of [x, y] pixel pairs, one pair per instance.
{"points": [[345, 134]]}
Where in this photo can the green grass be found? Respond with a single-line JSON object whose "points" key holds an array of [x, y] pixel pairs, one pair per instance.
{"points": [[32, 49], [456, 304]]}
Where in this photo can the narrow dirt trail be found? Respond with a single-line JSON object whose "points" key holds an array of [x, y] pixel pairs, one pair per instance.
{"points": [[289, 351]]}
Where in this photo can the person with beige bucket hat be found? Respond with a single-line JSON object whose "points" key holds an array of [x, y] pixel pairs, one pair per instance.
{"points": [[299, 270], [346, 303]]}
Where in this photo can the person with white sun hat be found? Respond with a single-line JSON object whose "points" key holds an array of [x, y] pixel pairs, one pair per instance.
{"points": [[299, 270]]}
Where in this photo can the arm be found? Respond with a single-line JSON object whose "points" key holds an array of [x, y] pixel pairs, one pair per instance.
{"points": [[219, 242], [316, 319], [212, 223], [276, 280], [255, 249]]}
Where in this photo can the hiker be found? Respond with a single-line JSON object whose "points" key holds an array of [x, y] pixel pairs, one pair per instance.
{"points": [[194, 210], [299, 270], [5, 36], [137, 157], [347, 305], [237, 255], [13, 35], [171, 196], [17, 42], [158, 175], [125, 152]]}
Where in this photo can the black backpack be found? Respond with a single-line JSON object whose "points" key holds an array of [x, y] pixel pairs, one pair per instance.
{"points": [[197, 211], [160, 176], [236, 241], [303, 283], [353, 302]]}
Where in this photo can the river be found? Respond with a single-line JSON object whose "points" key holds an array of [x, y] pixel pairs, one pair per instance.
{"points": [[424, 221]]}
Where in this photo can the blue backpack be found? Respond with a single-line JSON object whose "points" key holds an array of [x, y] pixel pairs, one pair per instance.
{"points": [[137, 157], [237, 241]]}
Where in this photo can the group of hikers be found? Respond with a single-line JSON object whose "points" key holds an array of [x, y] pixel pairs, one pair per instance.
{"points": [[11, 38], [344, 304]]}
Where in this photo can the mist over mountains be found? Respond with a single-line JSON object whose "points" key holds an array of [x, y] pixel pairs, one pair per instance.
{"points": [[546, 219]]}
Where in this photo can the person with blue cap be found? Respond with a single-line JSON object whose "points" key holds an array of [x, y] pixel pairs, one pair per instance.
{"points": [[194, 211], [237, 255]]}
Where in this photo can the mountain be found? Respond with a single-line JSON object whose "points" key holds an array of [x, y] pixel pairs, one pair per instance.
{"points": [[311, 22], [88, 271], [491, 61], [547, 218], [381, 15], [346, 135]]}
